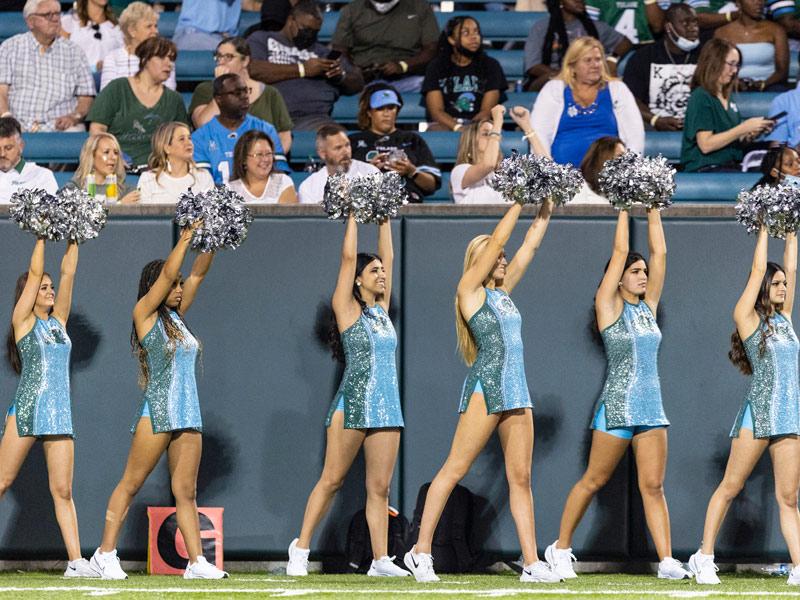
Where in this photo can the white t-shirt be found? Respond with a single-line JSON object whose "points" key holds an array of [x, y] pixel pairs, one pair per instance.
{"points": [[586, 195], [168, 189], [31, 177], [95, 48], [119, 63], [312, 189], [277, 183], [478, 193]]}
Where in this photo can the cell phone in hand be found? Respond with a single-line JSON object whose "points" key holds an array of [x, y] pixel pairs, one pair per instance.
{"points": [[333, 55], [778, 116]]}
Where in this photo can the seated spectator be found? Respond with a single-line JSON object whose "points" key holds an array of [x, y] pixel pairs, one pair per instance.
{"points": [[15, 172], [214, 141], [138, 22], [333, 147], [660, 75], [172, 170], [275, 13], [253, 174], [786, 14], [266, 102], [101, 171], [295, 62], [713, 13], [714, 132], [203, 24], [584, 104], [638, 21], [763, 46], [598, 153], [45, 80], [384, 146], [549, 38], [787, 128], [781, 164], [462, 83], [93, 27], [132, 108], [392, 40]]}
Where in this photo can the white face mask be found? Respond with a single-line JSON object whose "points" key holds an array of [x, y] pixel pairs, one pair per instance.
{"points": [[384, 7], [682, 42], [792, 180]]}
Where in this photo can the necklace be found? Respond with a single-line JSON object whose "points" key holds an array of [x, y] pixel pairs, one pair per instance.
{"points": [[669, 55]]}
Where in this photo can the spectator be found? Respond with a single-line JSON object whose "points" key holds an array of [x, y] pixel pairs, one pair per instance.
{"points": [[787, 128], [637, 20], [203, 24], [462, 83], [45, 80], [714, 13], [780, 165], [214, 141], [584, 104], [275, 13], [785, 13], [333, 147], [294, 62], [763, 46], [172, 170], [713, 132], [660, 75], [233, 56], [598, 153], [92, 25], [15, 172], [132, 108], [548, 40], [138, 22], [253, 174], [384, 146], [101, 171], [393, 40]]}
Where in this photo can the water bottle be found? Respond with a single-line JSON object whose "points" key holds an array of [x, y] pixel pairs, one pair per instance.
{"points": [[777, 569], [91, 185], [111, 189], [518, 86]]}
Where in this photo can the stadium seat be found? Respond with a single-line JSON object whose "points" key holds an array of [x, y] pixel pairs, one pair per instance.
{"points": [[56, 147], [512, 61], [666, 143], [754, 104], [11, 24], [194, 65], [712, 187]]}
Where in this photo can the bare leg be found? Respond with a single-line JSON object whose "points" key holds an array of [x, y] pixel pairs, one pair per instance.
{"points": [[13, 452], [650, 450], [59, 452], [184, 453], [606, 452], [146, 448], [342, 447], [473, 431], [380, 455], [785, 454]]}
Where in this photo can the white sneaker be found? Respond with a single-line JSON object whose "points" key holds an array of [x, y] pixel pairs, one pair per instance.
{"points": [[385, 567], [202, 569], [106, 564], [420, 565], [669, 568], [539, 572], [794, 576], [298, 560], [704, 570], [80, 568], [560, 561]]}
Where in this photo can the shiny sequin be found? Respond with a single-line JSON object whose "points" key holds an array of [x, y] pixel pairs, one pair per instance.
{"points": [[499, 366], [632, 391], [42, 401], [774, 396], [171, 392], [369, 385]]}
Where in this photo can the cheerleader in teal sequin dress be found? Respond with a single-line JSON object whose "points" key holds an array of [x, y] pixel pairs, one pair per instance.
{"points": [[168, 417], [765, 347], [38, 350], [365, 410]]}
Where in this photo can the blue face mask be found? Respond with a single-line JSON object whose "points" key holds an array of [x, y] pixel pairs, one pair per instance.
{"points": [[792, 180]]}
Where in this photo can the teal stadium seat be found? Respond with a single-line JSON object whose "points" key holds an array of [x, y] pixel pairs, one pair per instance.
{"points": [[53, 147]]}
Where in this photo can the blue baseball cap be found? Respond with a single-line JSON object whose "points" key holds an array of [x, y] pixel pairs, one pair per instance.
{"points": [[383, 98]]}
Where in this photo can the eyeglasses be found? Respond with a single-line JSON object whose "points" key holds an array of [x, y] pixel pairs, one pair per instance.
{"points": [[733, 64], [97, 34], [224, 57], [261, 155], [242, 91], [50, 16]]}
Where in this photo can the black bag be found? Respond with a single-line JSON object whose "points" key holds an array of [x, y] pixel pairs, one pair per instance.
{"points": [[358, 550]]}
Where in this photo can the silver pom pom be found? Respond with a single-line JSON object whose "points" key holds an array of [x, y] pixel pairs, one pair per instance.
{"points": [[633, 179], [531, 179], [778, 208], [31, 209], [369, 198], [71, 214], [225, 218], [85, 214], [336, 198]]}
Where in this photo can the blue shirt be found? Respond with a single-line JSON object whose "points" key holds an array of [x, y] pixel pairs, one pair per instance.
{"points": [[214, 143], [580, 126], [211, 16], [787, 129]]}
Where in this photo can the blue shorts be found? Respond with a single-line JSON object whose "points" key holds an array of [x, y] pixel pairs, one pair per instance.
{"points": [[747, 419], [625, 433]]}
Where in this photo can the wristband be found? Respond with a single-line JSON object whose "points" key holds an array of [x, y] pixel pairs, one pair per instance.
{"points": [[649, 2], [301, 70], [495, 133], [728, 16], [528, 136], [612, 59], [403, 65], [653, 121], [457, 126]]}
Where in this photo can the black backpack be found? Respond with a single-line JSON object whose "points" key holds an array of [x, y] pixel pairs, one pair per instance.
{"points": [[358, 550]]}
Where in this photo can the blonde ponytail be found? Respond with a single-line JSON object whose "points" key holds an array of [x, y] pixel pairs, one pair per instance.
{"points": [[466, 343]]}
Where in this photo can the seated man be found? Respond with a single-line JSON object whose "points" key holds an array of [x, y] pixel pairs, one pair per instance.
{"points": [[45, 80], [333, 147], [660, 75], [214, 142], [787, 128], [15, 172], [393, 40], [295, 63]]}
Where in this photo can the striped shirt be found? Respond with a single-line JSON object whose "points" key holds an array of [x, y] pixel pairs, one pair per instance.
{"points": [[119, 63]]}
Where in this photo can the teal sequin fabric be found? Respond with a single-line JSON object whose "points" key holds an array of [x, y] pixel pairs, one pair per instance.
{"points": [[774, 395], [369, 385], [499, 366]]}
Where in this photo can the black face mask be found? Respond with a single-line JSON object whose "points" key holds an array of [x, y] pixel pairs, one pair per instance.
{"points": [[470, 54], [305, 38]]}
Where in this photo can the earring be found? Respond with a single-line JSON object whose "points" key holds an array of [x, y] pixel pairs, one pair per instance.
{"points": [[358, 284], [169, 166]]}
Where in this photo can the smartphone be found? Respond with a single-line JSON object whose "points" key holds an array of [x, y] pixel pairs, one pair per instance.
{"points": [[333, 54], [777, 117]]}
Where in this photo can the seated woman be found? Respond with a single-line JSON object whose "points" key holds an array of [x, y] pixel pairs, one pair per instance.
{"points": [[172, 169], [763, 46], [101, 171], [383, 145], [781, 164], [599, 152], [462, 83], [93, 27], [254, 177], [713, 132], [583, 104], [233, 56]]}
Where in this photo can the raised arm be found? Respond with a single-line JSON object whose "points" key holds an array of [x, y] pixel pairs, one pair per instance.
{"points": [[200, 267], [344, 305], [657, 263], [386, 252], [607, 301], [744, 313], [790, 264], [488, 162], [522, 117], [69, 265], [533, 239], [22, 318]]}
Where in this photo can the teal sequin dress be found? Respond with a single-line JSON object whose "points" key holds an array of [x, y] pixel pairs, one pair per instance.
{"points": [[369, 388]]}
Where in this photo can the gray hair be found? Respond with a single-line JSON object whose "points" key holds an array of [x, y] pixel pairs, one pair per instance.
{"points": [[31, 6], [133, 13]]}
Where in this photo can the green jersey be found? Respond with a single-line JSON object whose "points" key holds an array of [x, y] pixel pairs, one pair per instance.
{"points": [[626, 16]]}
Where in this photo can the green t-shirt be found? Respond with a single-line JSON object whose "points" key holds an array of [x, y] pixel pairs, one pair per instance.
{"points": [[269, 106], [712, 6], [706, 113], [626, 16], [133, 124]]}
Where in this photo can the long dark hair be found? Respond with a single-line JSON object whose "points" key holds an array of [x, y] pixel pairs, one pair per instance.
{"points": [[773, 159], [594, 329], [12, 352], [453, 29], [764, 309], [557, 27]]}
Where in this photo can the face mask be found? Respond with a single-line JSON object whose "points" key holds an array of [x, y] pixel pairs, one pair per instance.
{"points": [[682, 42], [468, 53], [792, 180], [384, 7], [305, 38]]}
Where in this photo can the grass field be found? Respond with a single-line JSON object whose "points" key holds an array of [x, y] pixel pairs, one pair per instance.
{"points": [[32, 585]]}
